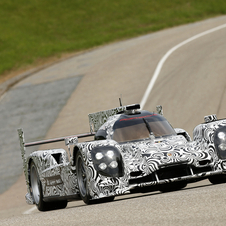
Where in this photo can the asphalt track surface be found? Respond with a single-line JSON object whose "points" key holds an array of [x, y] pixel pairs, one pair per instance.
{"points": [[55, 102]]}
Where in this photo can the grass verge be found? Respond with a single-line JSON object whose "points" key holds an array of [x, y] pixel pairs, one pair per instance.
{"points": [[33, 31]]}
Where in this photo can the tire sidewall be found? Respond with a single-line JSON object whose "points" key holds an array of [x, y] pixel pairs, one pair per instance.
{"points": [[86, 198], [40, 205]]}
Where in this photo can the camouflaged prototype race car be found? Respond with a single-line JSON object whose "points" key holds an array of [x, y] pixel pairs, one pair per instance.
{"points": [[132, 151]]}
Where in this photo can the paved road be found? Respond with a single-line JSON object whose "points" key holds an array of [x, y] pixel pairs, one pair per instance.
{"points": [[190, 86], [199, 205]]}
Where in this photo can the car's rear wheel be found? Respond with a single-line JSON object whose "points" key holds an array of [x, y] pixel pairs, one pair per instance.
{"points": [[36, 189], [173, 186], [218, 179]]}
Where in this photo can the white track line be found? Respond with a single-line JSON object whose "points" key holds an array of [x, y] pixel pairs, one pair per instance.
{"points": [[162, 61], [30, 210]]}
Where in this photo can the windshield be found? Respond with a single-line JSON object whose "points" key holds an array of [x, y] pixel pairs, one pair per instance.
{"points": [[136, 128]]}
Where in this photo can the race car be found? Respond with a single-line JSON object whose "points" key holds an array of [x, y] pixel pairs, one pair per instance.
{"points": [[132, 151]]}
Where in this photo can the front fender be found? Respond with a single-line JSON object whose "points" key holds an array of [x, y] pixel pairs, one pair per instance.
{"points": [[96, 180]]}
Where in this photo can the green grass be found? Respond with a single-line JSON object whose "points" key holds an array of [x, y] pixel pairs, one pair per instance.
{"points": [[37, 29]]}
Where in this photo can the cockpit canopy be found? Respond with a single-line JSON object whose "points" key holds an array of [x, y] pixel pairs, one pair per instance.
{"points": [[131, 127]]}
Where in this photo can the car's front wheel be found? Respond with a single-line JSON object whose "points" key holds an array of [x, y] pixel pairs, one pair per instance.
{"points": [[82, 179], [83, 185], [37, 194]]}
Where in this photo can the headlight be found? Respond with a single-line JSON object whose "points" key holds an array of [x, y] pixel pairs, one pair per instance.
{"points": [[110, 154], [222, 147], [220, 142], [102, 166], [107, 161], [99, 155], [113, 164], [222, 136]]}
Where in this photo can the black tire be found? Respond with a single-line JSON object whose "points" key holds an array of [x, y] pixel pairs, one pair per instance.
{"points": [[175, 186], [82, 183], [107, 199], [37, 194], [82, 179], [218, 179]]}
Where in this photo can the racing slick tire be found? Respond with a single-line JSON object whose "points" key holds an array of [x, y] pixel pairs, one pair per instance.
{"points": [[37, 194], [218, 179], [82, 183], [82, 179], [175, 186]]}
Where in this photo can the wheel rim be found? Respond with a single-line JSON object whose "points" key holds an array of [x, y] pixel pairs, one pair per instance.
{"points": [[35, 185], [82, 179]]}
